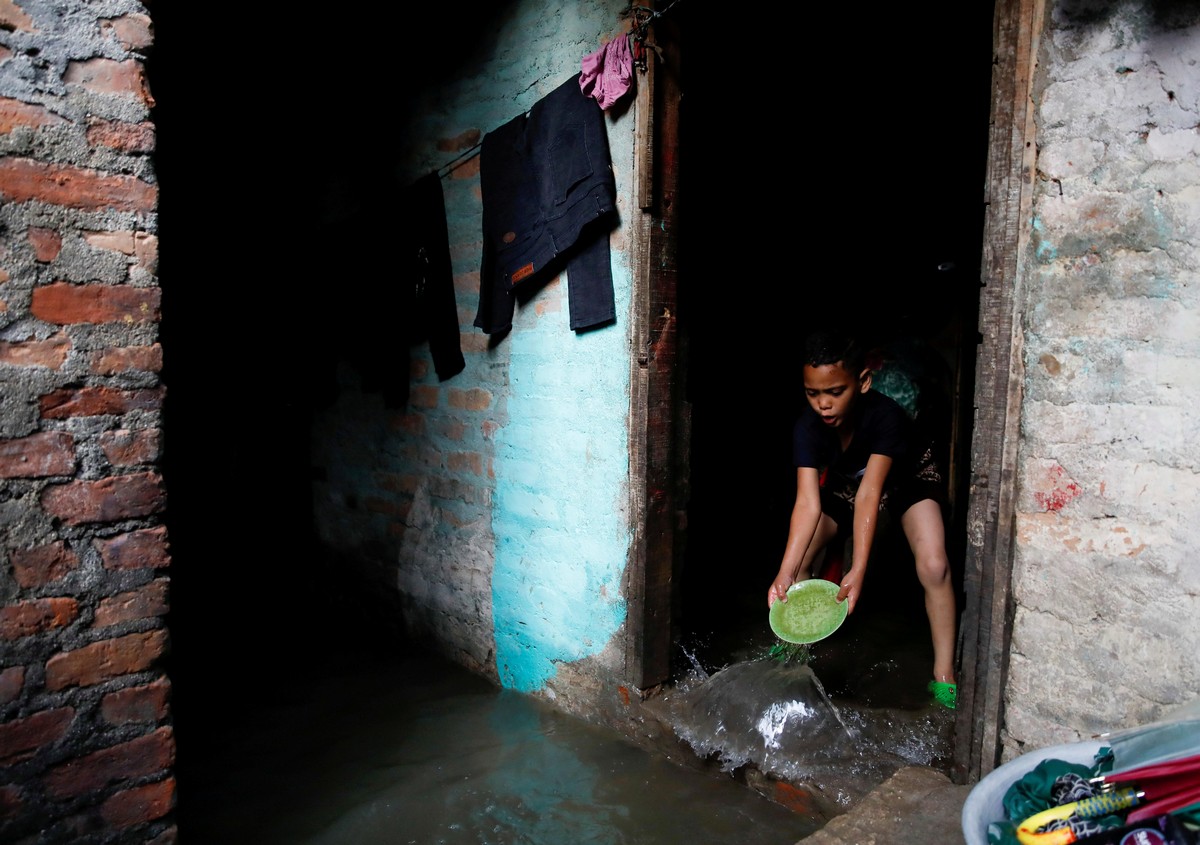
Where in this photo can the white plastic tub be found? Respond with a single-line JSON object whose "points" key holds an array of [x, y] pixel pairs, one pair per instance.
{"points": [[985, 801]]}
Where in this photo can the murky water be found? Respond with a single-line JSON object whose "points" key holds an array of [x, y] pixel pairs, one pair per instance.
{"points": [[420, 751], [341, 746]]}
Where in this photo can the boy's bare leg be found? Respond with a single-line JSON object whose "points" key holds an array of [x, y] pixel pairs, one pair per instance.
{"points": [[922, 524], [826, 530]]}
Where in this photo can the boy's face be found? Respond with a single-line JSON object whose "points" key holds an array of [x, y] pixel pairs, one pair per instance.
{"points": [[832, 390]]}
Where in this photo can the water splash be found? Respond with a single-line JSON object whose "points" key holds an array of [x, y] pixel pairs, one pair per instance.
{"points": [[775, 719], [775, 716], [698, 671]]}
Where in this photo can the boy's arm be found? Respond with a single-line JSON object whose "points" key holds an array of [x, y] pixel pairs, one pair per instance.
{"points": [[866, 520], [806, 513]]}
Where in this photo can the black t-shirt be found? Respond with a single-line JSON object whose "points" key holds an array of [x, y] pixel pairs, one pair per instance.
{"points": [[883, 428]]}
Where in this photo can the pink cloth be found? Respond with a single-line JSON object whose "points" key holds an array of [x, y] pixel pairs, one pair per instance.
{"points": [[608, 72]]}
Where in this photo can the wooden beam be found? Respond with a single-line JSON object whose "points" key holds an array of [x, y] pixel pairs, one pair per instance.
{"points": [[655, 390], [987, 615]]}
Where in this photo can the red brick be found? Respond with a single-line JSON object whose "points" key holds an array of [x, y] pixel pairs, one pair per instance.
{"points": [[145, 248], [423, 396], [12, 16], [469, 169], [12, 802], [94, 663], [452, 429], [412, 424], [473, 342], [796, 798], [125, 448], [120, 241], [47, 243], [51, 352], [139, 805], [106, 500], [141, 245], [43, 565], [469, 461], [147, 601], [12, 680], [106, 76], [468, 284], [451, 518], [92, 401], [397, 483], [118, 135], [472, 399], [125, 359], [38, 455], [66, 304], [133, 31], [459, 143], [551, 302], [144, 549], [147, 703], [23, 179], [26, 618], [20, 738], [141, 757]]}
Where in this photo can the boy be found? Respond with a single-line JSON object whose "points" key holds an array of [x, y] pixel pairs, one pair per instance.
{"points": [[855, 456]]}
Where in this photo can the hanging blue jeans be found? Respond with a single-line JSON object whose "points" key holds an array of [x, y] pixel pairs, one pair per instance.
{"points": [[549, 202]]}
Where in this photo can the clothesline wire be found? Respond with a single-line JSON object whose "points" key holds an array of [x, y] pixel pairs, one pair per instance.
{"points": [[450, 166], [638, 32]]}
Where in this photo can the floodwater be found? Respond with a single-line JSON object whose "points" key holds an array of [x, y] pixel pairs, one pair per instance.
{"points": [[838, 717], [410, 749], [418, 750]]}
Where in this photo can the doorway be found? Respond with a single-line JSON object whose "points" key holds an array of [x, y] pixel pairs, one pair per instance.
{"points": [[819, 185]]}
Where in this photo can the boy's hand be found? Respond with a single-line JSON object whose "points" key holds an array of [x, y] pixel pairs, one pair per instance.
{"points": [[778, 591], [851, 589]]}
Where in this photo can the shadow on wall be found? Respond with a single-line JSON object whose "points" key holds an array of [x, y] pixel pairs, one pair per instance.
{"points": [[273, 159]]}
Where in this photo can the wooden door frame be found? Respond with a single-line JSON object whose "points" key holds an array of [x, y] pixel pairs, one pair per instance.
{"points": [[657, 419], [986, 627]]}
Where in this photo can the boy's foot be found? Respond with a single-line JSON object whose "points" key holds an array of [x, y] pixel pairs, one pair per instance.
{"points": [[944, 693]]}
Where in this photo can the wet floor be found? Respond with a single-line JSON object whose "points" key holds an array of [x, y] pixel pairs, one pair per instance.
{"points": [[352, 745], [362, 749]]}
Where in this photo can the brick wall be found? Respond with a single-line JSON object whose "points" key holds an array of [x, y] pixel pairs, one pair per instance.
{"points": [[494, 506], [86, 744]]}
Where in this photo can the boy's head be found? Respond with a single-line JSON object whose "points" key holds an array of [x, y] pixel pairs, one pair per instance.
{"points": [[834, 347], [835, 375]]}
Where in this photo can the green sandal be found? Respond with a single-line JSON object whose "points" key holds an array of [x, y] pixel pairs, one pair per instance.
{"points": [[945, 694]]}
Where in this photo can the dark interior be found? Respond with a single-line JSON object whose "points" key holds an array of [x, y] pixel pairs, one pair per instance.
{"points": [[820, 188]]}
